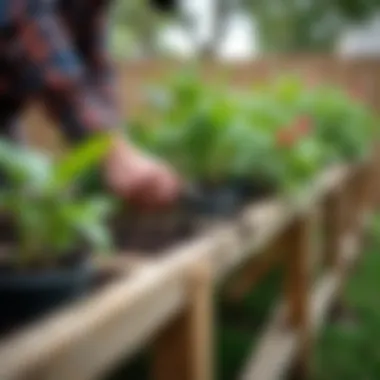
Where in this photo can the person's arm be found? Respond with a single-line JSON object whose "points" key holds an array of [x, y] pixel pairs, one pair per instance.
{"points": [[52, 65], [92, 42]]}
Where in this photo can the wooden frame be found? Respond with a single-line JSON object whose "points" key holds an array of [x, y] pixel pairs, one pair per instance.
{"points": [[171, 297], [167, 303]]}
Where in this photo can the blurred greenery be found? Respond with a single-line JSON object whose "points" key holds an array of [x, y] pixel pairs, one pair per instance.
{"points": [[282, 133], [134, 28], [40, 195], [309, 25], [282, 25], [350, 350]]}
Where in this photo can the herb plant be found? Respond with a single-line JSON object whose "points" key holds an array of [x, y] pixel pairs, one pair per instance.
{"points": [[50, 218]]}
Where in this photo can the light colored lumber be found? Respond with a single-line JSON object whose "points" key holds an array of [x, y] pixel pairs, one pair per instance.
{"points": [[121, 263], [335, 212], [298, 273], [255, 270], [328, 288], [109, 325], [280, 344], [276, 349], [183, 350], [118, 320]]}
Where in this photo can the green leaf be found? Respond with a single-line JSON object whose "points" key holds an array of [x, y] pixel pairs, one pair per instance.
{"points": [[79, 160], [24, 166]]}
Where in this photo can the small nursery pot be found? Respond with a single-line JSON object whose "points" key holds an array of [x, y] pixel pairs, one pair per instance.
{"points": [[151, 232], [26, 296], [251, 190], [218, 201], [226, 198]]}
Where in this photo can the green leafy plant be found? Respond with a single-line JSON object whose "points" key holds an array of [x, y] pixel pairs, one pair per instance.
{"points": [[281, 133], [344, 125], [49, 216]]}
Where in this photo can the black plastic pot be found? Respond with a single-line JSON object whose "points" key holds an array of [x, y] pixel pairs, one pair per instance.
{"points": [[26, 296], [220, 201], [227, 198], [250, 190]]}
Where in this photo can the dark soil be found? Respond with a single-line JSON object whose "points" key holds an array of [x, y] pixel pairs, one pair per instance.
{"points": [[153, 232], [158, 231]]}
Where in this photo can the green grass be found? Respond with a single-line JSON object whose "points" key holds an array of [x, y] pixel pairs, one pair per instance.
{"points": [[353, 352]]}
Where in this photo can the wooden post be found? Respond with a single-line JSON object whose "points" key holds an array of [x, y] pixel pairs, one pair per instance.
{"points": [[297, 291], [184, 349], [255, 270], [334, 226]]}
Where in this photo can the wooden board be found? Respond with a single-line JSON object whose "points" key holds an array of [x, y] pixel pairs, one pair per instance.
{"points": [[88, 338]]}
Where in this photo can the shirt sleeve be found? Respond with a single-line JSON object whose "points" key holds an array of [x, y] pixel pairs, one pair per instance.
{"points": [[92, 43], [53, 65]]}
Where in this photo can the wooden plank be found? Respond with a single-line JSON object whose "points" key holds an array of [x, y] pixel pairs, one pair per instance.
{"points": [[335, 207], [184, 348], [279, 346], [329, 287], [109, 326], [297, 290], [122, 263], [254, 271], [276, 349]]}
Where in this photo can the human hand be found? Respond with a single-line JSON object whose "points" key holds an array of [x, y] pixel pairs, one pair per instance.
{"points": [[143, 181]]}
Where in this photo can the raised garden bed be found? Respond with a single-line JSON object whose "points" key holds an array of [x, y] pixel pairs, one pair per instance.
{"points": [[123, 315], [254, 165]]}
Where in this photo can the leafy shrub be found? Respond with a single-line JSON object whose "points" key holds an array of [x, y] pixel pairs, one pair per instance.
{"points": [[49, 217], [343, 125], [281, 133]]}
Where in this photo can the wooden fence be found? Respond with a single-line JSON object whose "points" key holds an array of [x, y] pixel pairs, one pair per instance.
{"points": [[167, 301]]}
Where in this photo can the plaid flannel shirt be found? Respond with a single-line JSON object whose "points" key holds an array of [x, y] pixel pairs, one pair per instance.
{"points": [[56, 49]]}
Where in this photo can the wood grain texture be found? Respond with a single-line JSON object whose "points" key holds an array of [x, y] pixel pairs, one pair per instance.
{"points": [[90, 337]]}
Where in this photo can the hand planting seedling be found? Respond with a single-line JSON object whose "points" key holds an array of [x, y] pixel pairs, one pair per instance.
{"points": [[242, 146]]}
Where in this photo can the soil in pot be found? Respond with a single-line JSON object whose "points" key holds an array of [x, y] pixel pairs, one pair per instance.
{"points": [[143, 232], [135, 231], [26, 295]]}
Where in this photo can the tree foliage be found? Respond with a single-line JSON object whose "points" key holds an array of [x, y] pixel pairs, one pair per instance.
{"points": [[299, 25]]}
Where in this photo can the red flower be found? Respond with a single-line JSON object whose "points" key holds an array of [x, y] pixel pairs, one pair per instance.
{"points": [[303, 125], [286, 138]]}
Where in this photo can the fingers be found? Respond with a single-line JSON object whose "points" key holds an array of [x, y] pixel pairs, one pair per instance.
{"points": [[142, 181], [158, 189]]}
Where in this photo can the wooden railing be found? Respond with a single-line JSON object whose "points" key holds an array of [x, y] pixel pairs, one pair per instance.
{"points": [[170, 298], [166, 302]]}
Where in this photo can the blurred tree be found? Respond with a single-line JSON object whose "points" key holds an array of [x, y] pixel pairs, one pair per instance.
{"points": [[135, 25], [165, 5], [222, 11], [302, 25]]}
